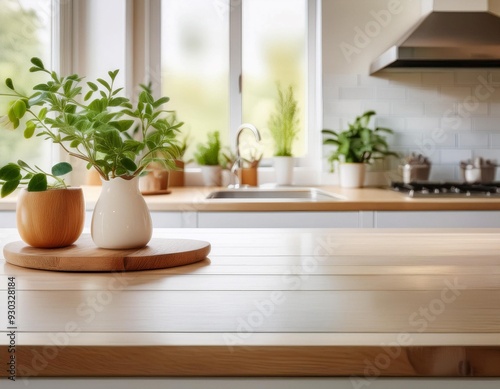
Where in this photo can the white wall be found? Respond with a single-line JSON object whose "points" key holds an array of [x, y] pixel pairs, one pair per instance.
{"points": [[448, 115]]}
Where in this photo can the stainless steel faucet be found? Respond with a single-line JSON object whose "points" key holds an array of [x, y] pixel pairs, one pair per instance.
{"points": [[237, 164]]}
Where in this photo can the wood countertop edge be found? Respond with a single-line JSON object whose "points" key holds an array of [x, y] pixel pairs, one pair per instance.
{"points": [[361, 362], [193, 199]]}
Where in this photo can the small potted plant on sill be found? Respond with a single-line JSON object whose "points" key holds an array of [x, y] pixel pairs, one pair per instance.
{"points": [[249, 171], [96, 129], [208, 157], [356, 147], [177, 177], [284, 127], [49, 213]]}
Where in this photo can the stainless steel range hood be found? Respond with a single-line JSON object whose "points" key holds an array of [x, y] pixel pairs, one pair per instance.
{"points": [[446, 39]]}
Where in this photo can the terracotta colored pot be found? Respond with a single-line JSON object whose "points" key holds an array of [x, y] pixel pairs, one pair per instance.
{"points": [[50, 219], [249, 176], [177, 176]]}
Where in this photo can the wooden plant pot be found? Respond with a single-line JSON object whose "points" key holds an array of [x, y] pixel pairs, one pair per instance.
{"points": [[50, 219], [249, 176], [177, 176]]}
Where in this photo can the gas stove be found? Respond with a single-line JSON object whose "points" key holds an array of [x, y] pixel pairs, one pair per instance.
{"points": [[447, 189]]}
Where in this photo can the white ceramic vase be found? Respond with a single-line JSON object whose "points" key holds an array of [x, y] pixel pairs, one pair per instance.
{"points": [[352, 175], [121, 218], [212, 175], [283, 168]]}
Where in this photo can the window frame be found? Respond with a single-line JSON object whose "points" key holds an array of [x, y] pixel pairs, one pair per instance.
{"points": [[145, 20]]}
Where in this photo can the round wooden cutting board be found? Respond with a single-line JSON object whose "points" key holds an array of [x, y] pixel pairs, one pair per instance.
{"points": [[84, 256]]}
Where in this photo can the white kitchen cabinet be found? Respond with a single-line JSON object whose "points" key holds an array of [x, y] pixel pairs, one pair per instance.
{"points": [[8, 219], [278, 219], [436, 219]]}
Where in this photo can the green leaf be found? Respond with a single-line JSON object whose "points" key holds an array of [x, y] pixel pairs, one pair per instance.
{"points": [[112, 74], [9, 83], [23, 164], [161, 101], [128, 164], [38, 183], [10, 172], [34, 69], [104, 83], [88, 95], [9, 187], [74, 144], [122, 125], [42, 87], [92, 86], [61, 168], [37, 62], [42, 114], [19, 108], [30, 130]]}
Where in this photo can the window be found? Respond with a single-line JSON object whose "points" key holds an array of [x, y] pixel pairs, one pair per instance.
{"points": [[207, 44], [25, 32]]}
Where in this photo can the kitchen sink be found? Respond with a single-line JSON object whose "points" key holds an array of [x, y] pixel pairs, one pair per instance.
{"points": [[278, 194]]}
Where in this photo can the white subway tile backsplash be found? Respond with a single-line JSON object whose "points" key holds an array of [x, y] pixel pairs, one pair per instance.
{"points": [[455, 93], [395, 124], [340, 80], [343, 107], [414, 108], [495, 141], [419, 124], [492, 154], [442, 172], [331, 122], [473, 139], [380, 107], [436, 79], [422, 94], [410, 79], [391, 93], [364, 80], [494, 109], [470, 77], [408, 139], [439, 138], [453, 157], [440, 109], [472, 108], [357, 93], [456, 123], [331, 93], [486, 124], [448, 116]]}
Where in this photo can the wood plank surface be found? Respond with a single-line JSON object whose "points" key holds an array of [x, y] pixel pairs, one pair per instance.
{"points": [[325, 302]]}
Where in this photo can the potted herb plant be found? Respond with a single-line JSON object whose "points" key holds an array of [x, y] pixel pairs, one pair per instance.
{"points": [[356, 147], [284, 127], [177, 175], [208, 157], [96, 129], [49, 213]]}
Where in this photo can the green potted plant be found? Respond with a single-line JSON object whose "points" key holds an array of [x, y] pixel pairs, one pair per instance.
{"points": [[208, 157], [284, 127], [177, 175], [355, 147], [97, 129], [49, 213]]}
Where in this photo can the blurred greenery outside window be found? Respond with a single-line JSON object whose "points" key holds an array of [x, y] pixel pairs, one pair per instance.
{"points": [[197, 63], [25, 32]]}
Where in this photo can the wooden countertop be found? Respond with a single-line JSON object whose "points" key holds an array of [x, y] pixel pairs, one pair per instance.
{"points": [[311, 302], [364, 199]]}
